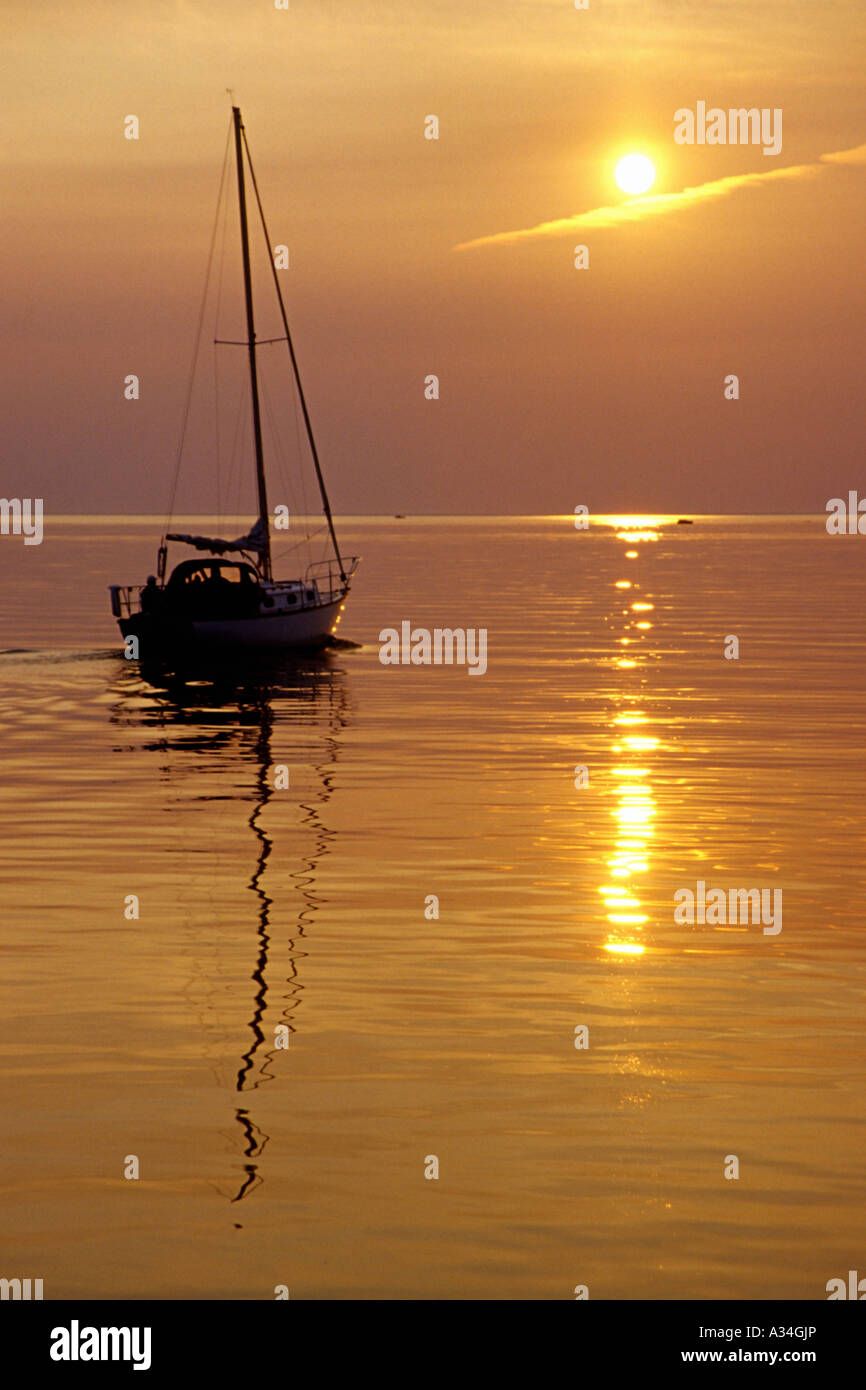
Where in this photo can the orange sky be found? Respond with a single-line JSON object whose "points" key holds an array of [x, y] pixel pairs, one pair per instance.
{"points": [[557, 387]]}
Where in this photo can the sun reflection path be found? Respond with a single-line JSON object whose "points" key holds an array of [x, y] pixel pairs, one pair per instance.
{"points": [[635, 809]]}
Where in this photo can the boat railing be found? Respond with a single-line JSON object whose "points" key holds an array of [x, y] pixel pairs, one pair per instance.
{"points": [[125, 599], [327, 575]]}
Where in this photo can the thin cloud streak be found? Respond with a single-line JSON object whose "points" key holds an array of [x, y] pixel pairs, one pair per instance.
{"points": [[654, 204]]}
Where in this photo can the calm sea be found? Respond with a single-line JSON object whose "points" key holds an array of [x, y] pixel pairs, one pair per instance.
{"points": [[288, 1034]]}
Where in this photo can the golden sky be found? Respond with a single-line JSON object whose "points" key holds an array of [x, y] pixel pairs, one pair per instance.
{"points": [[557, 386]]}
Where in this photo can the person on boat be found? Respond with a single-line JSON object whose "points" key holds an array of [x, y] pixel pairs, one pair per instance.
{"points": [[150, 595]]}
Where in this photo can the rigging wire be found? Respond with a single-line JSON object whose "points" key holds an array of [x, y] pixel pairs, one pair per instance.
{"points": [[216, 355], [233, 481], [319, 531], [296, 413], [197, 340], [325, 503], [292, 481], [280, 453], [286, 479]]}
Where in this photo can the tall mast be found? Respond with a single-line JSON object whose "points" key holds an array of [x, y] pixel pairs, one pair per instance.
{"points": [[251, 343]]}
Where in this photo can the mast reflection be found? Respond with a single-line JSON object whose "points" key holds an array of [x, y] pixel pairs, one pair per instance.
{"points": [[220, 718], [262, 748]]}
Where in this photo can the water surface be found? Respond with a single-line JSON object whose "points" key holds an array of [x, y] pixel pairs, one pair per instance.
{"points": [[304, 909]]}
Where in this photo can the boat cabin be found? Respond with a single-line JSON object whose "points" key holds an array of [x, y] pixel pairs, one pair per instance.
{"points": [[212, 589]]}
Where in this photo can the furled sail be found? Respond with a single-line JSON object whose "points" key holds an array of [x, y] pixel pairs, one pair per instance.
{"points": [[255, 540]]}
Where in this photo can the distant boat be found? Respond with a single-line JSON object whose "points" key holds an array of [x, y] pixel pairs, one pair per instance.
{"points": [[217, 608], [684, 521]]}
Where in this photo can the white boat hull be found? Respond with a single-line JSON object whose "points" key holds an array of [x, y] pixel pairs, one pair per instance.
{"points": [[164, 642], [269, 631]]}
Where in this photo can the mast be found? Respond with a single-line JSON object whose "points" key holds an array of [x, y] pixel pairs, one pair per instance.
{"points": [[301, 397], [251, 343]]}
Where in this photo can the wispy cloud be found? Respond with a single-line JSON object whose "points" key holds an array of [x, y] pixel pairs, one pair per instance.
{"points": [[655, 204]]}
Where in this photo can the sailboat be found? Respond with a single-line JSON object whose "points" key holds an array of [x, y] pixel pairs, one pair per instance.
{"points": [[218, 608]]}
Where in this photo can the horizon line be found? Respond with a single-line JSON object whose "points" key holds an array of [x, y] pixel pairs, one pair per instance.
{"points": [[158, 518]]}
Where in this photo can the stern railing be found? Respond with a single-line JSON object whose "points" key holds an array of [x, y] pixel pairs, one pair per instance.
{"points": [[125, 599], [327, 575]]}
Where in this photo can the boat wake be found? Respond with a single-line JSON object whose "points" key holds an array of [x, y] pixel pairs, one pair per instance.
{"points": [[55, 655]]}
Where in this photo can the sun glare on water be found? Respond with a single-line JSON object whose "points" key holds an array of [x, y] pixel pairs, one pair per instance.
{"points": [[635, 173]]}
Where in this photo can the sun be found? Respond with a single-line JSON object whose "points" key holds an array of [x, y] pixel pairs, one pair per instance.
{"points": [[635, 173]]}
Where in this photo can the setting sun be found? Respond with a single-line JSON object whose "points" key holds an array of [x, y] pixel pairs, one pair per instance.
{"points": [[635, 173]]}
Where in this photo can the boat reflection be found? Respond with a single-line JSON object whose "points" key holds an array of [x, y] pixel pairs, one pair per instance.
{"points": [[221, 720]]}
